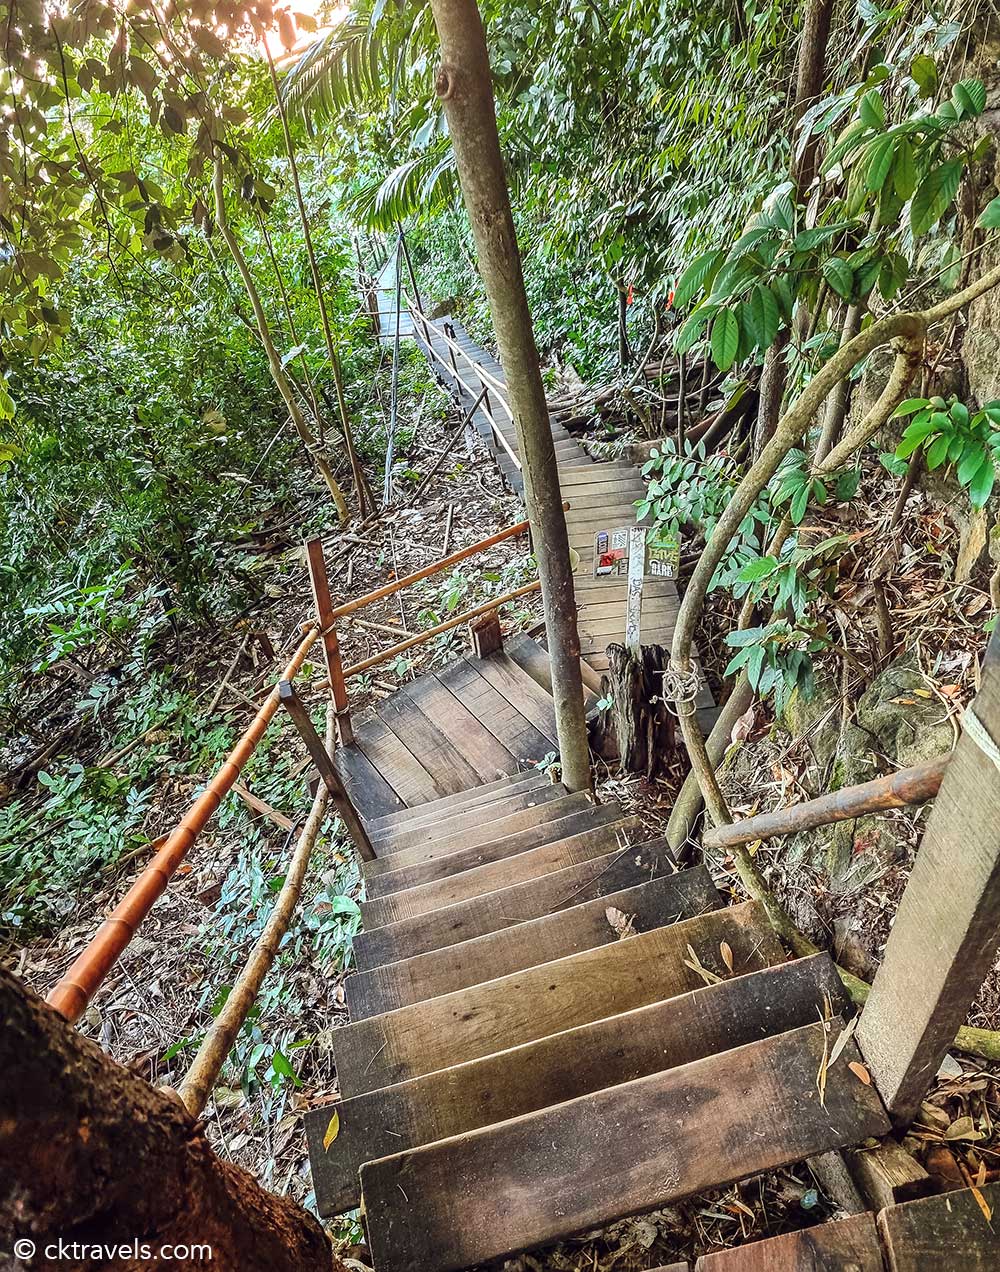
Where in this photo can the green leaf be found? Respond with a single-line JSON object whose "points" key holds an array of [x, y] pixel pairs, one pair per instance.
{"points": [[764, 317], [758, 569], [981, 486], [799, 504], [725, 339], [909, 407], [904, 173], [872, 112], [697, 276], [847, 485], [970, 463], [934, 195], [923, 70], [969, 97], [990, 218], [839, 275], [881, 153], [938, 451]]}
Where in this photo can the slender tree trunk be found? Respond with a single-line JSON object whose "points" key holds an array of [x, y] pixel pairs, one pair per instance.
{"points": [[464, 86], [93, 1154], [360, 488], [839, 399], [809, 81], [278, 375]]}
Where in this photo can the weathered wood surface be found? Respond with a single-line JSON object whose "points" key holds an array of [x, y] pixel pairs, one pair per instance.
{"points": [[469, 828], [492, 841], [534, 660], [437, 825], [370, 792], [502, 908], [887, 1174], [443, 760], [846, 1245], [548, 1071], [494, 712], [946, 1232], [945, 934], [619, 1151], [581, 837], [573, 991], [518, 687], [479, 796], [484, 753], [581, 927]]}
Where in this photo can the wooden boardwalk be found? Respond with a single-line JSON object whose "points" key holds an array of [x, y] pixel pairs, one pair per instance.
{"points": [[602, 496]]}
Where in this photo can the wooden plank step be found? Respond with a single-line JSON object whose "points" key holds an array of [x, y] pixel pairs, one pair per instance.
{"points": [[532, 658], [449, 769], [580, 927], [519, 903], [618, 1151], [397, 765], [572, 991], [527, 779], [671, 1032], [423, 833], [574, 839], [846, 1245], [517, 686], [370, 793], [488, 757], [509, 725], [943, 1232]]}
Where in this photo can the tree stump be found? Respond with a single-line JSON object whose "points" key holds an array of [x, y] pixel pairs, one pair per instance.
{"points": [[636, 724]]}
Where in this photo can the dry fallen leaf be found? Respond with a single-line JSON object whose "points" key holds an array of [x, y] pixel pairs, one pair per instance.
{"points": [[982, 1203], [843, 1038], [725, 949], [332, 1131], [695, 964], [622, 924], [860, 1072], [963, 1128]]}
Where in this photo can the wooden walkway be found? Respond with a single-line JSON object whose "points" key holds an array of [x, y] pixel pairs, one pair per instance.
{"points": [[602, 496]]}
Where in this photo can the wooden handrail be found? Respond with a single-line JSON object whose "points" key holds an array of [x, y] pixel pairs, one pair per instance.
{"points": [[75, 990], [443, 564], [908, 786], [455, 621]]}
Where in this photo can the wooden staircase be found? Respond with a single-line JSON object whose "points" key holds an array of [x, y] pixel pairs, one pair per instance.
{"points": [[552, 1026]]}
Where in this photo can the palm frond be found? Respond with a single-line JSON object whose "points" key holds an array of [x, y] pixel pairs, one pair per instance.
{"points": [[418, 186]]}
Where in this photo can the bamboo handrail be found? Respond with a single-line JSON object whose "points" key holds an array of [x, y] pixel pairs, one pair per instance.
{"points": [[455, 621], [76, 988], [908, 786], [444, 563]]}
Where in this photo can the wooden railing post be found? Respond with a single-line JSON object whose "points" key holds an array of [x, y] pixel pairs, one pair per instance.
{"points": [[321, 757], [331, 645], [947, 928]]}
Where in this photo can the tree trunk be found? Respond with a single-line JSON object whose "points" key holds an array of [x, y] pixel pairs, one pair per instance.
{"points": [[91, 1153], [464, 86], [643, 729], [809, 81]]}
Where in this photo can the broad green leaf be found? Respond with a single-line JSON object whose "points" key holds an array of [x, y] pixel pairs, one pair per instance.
{"points": [[970, 463], [758, 569], [990, 217], [799, 504], [909, 407], [969, 97], [839, 275], [872, 112], [904, 172], [764, 317], [938, 451], [697, 276], [934, 194], [923, 71], [725, 339], [981, 485], [881, 153]]}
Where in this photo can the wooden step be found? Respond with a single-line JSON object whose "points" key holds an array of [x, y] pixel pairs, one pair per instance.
{"points": [[579, 838], [846, 1245], [390, 756], [580, 927], [572, 991], [947, 1232], [517, 687], [533, 659], [503, 908], [527, 779], [517, 812], [495, 712], [469, 848], [621, 1048], [446, 712], [370, 793], [486, 1194], [446, 764]]}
